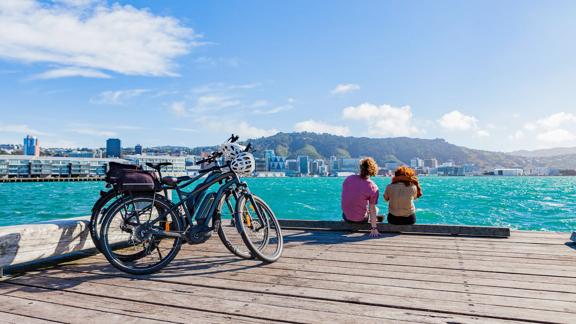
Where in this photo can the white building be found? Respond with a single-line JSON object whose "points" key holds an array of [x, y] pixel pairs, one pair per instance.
{"points": [[508, 172], [178, 167]]}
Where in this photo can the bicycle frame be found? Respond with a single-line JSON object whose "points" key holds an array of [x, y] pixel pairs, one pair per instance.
{"points": [[230, 178]]}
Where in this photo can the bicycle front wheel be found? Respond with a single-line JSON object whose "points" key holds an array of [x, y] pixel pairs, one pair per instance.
{"points": [[140, 225], [227, 231], [259, 228]]}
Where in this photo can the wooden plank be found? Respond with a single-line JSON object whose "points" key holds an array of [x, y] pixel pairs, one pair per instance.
{"points": [[62, 313], [9, 318], [487, 231], [464, 306], [138, 310], [186, 297]]}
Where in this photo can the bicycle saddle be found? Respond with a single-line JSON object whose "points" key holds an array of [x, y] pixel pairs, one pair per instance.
{"points": [[172, 181], [158, 166]]}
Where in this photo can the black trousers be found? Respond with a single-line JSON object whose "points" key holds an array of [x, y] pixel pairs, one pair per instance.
{"points": [[399, 220]]}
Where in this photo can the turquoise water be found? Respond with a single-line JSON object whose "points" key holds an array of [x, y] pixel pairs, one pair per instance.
{"points": [[527, 203]]}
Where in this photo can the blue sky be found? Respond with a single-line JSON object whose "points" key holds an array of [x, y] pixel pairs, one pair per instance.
{"points": [[497, 75]]}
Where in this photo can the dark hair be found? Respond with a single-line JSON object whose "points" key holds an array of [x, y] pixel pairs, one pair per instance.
{"points": [[368, 167]]}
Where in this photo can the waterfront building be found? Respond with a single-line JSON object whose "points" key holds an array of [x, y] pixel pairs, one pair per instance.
{"points": [[349, 165], [22, 166], [450, 170], [292, 167], [333, 166], [417, 163], [31, 146], [430, 163], [508, 172], [84, 154], [277, 164], [391, 165], [138, 149], [319, 167], [178, 167], [113, 148], [261, 165], [304, 165]]}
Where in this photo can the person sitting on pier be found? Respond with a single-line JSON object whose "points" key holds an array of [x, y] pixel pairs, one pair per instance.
{"points": [[400, 195], [360, 196]]}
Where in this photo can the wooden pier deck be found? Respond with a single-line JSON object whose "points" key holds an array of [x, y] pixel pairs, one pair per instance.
{"points": [[323, 277]]}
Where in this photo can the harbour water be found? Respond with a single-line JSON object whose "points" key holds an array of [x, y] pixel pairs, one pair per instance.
{"points": [[526, 203]]}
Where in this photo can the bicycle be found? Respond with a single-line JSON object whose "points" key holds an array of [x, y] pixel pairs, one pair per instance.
{"points": [[147, 223]]}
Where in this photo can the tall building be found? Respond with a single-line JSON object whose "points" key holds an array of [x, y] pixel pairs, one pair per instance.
{"points": [[431, 163], [113, 148], [416, 163], [138, 149], [31, 146], [304, 164]]}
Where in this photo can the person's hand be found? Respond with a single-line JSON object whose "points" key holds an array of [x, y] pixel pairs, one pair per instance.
{"points": [[374, 233]]}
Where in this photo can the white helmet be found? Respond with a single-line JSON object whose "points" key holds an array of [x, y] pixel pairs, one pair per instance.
{"points": [[243, 164], [231, 150]]}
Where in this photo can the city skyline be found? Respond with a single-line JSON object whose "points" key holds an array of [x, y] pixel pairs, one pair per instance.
{"points": [[480, 74]]}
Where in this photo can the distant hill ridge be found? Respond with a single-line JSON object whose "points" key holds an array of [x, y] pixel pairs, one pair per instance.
{"points": [[382, 149]]}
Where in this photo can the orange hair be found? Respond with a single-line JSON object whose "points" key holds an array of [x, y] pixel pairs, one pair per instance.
{"points": [[404, 171]]}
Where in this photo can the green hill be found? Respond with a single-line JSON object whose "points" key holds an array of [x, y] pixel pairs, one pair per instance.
{"points": [[382, 149]]}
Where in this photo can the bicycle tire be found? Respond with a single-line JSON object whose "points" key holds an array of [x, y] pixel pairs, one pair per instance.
{"points": [[226, 222], [98, 211], [266, 219], [125, 265]]}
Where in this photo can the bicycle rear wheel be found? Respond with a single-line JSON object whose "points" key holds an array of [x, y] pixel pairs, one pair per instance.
{"points": [[259, 228], [98, 211], [227, 230], [128, 230]]}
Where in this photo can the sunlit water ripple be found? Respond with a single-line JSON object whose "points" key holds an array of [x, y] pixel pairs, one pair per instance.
{"points": [[528, 203]]}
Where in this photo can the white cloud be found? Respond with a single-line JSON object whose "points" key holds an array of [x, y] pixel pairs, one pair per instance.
{"points": [[321, 127], [215, 102], [232, 126], [273, 110], [518, 135], [555, 129], [117, 97], [556, 136], [21, 129], [345, 88], [70, 72], [482, 133], [178, 108], [186, 130], [92, 37], [383, 120], [556, 120], [457, 121]]}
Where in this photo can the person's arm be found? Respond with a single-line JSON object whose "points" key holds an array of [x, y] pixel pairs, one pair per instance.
{"points": [[387, 193]]}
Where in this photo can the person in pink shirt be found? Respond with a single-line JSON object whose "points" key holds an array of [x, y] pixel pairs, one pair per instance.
{"points": [[360, 196]]}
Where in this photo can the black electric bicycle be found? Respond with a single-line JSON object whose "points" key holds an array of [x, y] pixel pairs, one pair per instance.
{"points": [[225, 207], [153, 228]]}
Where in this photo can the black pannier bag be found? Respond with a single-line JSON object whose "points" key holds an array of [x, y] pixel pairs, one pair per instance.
{"points": [[129, 177], [116, 170], [138, 180]]}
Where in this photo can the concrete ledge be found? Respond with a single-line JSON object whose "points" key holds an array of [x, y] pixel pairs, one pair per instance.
{"points": [[485, 231], [573, 237], [46, 242]]}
